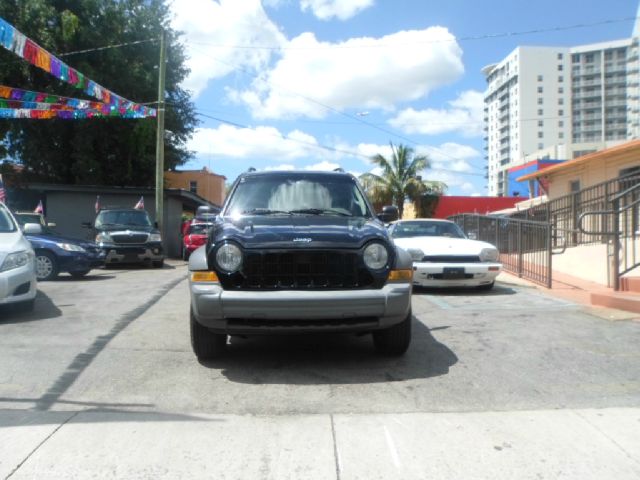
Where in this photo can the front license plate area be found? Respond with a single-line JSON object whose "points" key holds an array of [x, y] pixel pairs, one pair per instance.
{"points": [[452, 273]]}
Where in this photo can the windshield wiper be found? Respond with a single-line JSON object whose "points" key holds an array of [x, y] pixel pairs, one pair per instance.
{"points": [[264, 211], [321, 211]]}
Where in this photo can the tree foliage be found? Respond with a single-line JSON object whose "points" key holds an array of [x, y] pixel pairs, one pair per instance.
{"points": [[109, 151], [400, 178]]}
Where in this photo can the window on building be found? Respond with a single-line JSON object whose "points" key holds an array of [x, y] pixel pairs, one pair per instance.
{"points": [[560, 67], [561, 113], [574, 186], [540, 111], [540, 134], [561, 123], [560, 135], [589, 57], [540, 123], [560, 79], [539, 78], [540, 90], [540, 146], [561, 101], [540, 100], [560, 56], [575, 58], [193, 186], [560, 90], [608, 55]]}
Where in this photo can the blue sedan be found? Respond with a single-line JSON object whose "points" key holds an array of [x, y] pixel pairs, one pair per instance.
{"points": [[55, 254]]}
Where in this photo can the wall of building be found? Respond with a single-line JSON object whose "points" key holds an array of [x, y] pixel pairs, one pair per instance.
{"points": [[209, 185]]}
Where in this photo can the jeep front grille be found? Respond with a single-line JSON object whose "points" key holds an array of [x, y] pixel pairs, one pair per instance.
{"points": [[302, 270]]}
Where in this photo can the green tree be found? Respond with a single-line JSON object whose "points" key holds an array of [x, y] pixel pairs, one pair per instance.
{"points": [[108, 151], [400, 177]]}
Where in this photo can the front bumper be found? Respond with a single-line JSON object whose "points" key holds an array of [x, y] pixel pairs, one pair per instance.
{"points": [[294, 311], [80, 262], [18, 285], [148, 252], [426, 274]]}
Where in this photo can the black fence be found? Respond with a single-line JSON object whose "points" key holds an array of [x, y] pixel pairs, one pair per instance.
{"points": [[525, 246]]}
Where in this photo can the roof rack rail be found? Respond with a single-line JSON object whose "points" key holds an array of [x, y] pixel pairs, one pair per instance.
{"points": [[251, 169], [339, 169]]}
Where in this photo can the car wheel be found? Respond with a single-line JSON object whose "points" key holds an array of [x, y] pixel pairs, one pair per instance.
{"points": [[486, 286], [394, 340], [46, 266], [158, 263], [79, 274], [206, 344]]}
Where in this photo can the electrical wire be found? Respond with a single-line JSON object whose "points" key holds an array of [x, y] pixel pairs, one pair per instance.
{"points": [[107, 47]]}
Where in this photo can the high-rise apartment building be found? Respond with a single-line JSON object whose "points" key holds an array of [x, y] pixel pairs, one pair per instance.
{"points": [[559, 102]]}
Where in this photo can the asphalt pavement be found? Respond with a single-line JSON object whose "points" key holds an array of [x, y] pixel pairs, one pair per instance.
{"points": [[100, 382]]}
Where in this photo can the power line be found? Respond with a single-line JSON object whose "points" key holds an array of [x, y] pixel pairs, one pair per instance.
{"points": [[107, 47], [486, 36], [326, 147]]}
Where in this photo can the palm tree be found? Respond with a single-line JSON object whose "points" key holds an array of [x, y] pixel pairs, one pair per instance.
{"points": [[400, 178]]}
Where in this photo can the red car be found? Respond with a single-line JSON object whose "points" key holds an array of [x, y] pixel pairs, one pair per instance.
{"points": [[195, 236]]}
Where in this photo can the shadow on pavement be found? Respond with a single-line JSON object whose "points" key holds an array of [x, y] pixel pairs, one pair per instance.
{"points": [[44, 309], [90, 277], [497, 290], [331, 359]]}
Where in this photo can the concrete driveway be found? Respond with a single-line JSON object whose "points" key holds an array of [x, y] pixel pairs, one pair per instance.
{"points": [[100, 382]]}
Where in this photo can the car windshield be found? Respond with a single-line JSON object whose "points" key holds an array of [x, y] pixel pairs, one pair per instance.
{"points": [[199, 228], [6, 222], [137, 218], [426, 229], [298, 195], [23, 218]]}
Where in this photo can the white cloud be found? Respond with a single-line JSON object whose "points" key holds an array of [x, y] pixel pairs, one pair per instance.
{"points": [[341, 9], [212, 27], [323, 166], [259, 142], [464, 116], [284, 166], [357, 73]]}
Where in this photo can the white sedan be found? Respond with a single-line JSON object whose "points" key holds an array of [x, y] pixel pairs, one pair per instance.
{"points": [[444, 257]]}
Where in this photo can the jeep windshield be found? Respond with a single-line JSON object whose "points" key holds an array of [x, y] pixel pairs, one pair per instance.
{"points": [[297, 194], [129, 218]]}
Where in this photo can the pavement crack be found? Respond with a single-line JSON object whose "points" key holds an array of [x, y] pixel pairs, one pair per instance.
{"points": [[336, 453], [80, 363], [37, 447]]}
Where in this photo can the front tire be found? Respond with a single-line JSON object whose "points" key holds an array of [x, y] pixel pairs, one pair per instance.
{"points": [[394, 341], [206, 344], [46, 266]]}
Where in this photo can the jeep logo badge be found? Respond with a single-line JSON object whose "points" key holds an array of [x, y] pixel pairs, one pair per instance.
{"points": [[302, 240]]}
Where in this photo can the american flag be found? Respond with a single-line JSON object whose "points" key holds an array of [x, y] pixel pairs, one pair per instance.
{"points": [[3, 193], [140, 204], [39, 208], [97, 203]]}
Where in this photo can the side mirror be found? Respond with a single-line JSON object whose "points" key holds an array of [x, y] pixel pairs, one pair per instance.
{"points": [[86, 224], [32, 229]]}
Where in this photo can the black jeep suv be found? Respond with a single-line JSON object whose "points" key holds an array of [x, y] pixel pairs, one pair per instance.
{"points": [[299, 252]]}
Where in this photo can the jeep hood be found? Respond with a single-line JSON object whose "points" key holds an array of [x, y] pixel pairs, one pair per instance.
{"points": [[299, 231]]}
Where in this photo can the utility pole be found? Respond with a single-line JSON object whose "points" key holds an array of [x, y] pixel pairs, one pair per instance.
{"points": [[160, 137]]}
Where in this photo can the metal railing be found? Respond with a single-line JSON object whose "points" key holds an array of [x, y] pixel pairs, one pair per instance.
{"points": [[525, 246], [563, 213], [624, 221]]}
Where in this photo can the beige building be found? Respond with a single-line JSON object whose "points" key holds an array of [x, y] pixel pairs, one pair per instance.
{"points": [[204, 183], [588, 170]]}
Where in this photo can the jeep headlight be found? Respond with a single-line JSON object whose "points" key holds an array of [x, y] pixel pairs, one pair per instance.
{"points": [[69, 247], [16, 260], [103, 237], [489, 255], [375, 256], [229, 258]]}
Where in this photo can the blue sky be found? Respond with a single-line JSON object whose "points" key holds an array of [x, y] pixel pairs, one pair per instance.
{"points": [[319, 84]]}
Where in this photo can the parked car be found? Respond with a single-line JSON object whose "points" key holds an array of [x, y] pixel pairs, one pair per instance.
{"points": [[444, 257], [56, 254], [32, 217], [126, 235], [195, 236], [18, 284], [299, 252]]}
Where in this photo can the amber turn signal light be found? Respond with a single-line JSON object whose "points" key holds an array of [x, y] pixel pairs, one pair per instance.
{"points": [[401, 275], [205, 276]]}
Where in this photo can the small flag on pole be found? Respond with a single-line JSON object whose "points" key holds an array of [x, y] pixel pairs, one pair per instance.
{"points": [[3, 193], [140, 204], [39, 208], [97, 203]]}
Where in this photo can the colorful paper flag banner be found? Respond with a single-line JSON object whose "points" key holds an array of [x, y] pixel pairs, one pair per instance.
{"points": [[72, 114], [16, 42]]}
